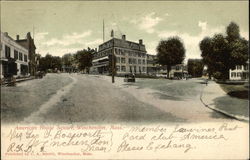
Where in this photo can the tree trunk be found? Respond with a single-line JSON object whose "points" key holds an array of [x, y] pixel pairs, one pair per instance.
{"points": [[168, 71]]}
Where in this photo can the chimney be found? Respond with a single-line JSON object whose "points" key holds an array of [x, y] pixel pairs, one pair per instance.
{"points": [[28, 35], [140, 41], [124, 37], [5, 33], [17, 37], [95, 49]]}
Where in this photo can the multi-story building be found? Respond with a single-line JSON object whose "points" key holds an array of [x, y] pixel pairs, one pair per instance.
{"points": [[14, 57], [130, 57], [29, 44], [241, 72]]}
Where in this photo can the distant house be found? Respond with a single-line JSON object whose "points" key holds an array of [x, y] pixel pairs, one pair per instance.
{"points": [[152, 65], [14, 57], [241, 72], [177, 71]]}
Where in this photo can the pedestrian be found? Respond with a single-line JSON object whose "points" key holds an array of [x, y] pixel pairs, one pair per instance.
{"points": [[206, 82]]}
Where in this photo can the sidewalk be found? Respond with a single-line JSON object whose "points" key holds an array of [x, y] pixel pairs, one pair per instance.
{"points": [[216, 99], [21, 80]]}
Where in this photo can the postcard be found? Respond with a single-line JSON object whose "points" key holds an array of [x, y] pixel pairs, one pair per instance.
{"points": [[124, 80]]}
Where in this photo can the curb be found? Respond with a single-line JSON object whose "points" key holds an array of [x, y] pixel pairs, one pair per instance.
{"points": [[19, 80], [239, 118]]}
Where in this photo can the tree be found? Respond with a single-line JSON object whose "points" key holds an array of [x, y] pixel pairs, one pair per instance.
{"points": [[84, 58], [170, 52], [50, 62], [67, 59], [206, 47], [221, 53], [233, 31], [195, 67]]}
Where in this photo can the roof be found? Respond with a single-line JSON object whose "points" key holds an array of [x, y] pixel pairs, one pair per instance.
{"points": [[123, 44]]}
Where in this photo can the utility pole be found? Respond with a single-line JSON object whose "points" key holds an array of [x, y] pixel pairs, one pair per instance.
{"points": [[113, 57], [103, 34]]}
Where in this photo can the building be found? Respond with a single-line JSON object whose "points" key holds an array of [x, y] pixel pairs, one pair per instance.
{"points": [[152, 65], [131, 57], [14, 57], [241, 72], [178, 71], [29, 44]]}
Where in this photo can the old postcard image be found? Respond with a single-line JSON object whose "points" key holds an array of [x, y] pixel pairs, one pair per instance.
{"points": [[124, 80]]}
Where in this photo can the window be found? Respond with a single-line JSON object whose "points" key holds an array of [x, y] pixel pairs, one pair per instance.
{"points": [[122, 52], [118, 59], [7, 51], [130, 61], [130, 69], [246, 67], [118, 68], [134, 68], [238, 67], [123, 69], [130, 53], [134, 61], [238, 74], [143, 69], [143, 61], [117, 51], [233, 74], [15, 54], [139, 61], [25, 58], [123, 60], [20, 56]]}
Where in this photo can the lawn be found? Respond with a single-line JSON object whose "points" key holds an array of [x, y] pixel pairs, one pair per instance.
{"points": [[239, 91]]}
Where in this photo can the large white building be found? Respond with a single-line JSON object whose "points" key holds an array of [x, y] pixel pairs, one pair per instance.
{"points": [[14, 57], [130, 57], [241, 72]]}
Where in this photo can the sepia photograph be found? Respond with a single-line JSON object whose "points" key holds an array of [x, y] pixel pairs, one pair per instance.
{"points": [[124, 80]]}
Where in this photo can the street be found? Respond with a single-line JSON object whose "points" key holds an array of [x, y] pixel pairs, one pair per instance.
{"points": [[76, 98]]}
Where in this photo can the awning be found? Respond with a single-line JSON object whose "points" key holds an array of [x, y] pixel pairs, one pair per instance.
{"points": [[96, 60]]}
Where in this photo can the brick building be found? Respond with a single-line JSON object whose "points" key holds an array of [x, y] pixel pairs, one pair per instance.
{"points": [[130, 57], [29, 44]]}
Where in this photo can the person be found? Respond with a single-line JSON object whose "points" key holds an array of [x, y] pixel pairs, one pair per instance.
{"points": [[206, 82]]}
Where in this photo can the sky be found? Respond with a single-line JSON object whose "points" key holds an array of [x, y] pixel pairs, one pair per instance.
{"points": [[61, 27]]}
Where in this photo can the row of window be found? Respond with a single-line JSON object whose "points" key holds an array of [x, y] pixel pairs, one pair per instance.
{"points": [[120, 52], [130, 60], [236, 74], [130, 53], [239, 67], [17, 55], [131, 69]]}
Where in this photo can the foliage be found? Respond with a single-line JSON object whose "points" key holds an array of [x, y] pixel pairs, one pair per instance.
{"points": [[84, 59], [170, 52], [67, 59], [195, 67], [50, 62], [222, 53]]}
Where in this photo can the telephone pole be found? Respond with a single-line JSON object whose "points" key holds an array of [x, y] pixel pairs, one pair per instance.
{"points": [[103, 34], [113, 57]]}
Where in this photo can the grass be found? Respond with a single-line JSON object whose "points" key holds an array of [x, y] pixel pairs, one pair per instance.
{"points": [[239, 91]]}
